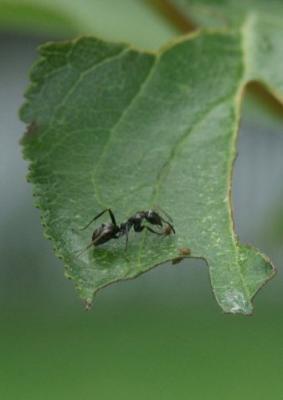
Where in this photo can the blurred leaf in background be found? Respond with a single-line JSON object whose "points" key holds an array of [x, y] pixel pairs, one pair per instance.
{"points": [[135, 22]]}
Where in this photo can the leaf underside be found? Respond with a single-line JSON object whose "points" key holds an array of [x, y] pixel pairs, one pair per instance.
{"points": [[111, 126]]}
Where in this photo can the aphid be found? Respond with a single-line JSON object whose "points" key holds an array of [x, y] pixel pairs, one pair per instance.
{"points": [[185, 251], [112, 230]]}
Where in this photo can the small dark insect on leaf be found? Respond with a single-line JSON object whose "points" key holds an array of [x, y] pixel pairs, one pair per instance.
{"points": [[112, 230], [185, 251]]}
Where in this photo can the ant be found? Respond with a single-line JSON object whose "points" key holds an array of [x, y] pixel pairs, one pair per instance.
{"points": [[112, 230]]}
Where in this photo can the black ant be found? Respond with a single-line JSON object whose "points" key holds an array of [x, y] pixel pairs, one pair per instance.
{"points": [[112, 230]]}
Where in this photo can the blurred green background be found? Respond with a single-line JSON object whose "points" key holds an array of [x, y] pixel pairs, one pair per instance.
{"points": [[161, 336]]}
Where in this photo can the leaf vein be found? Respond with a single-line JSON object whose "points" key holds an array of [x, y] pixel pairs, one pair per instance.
{"points": [[114, 127]]}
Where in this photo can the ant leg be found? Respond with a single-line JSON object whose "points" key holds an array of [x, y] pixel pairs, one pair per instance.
{"points": [[140, 228], [153, 231], [149, 229], [82, 251], [112, 216], [164, 220], [163, 212], [125, 229], [99, 215], [127, 237]]}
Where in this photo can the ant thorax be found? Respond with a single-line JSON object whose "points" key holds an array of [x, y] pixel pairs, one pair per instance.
{"points": [[139, 216]]}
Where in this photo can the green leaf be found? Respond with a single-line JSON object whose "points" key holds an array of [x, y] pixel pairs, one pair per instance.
{"points": [[111, 19], [261, 22], [111, 126]]}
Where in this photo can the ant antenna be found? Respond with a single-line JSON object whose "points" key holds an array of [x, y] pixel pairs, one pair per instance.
{"points": [[156, 206]]}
